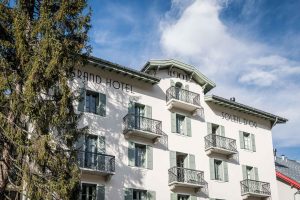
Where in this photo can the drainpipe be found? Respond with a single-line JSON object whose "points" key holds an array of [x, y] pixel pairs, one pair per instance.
{"points": [[276, 120], [298, 192]]}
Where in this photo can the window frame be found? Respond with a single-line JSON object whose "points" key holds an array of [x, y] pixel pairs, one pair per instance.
{"points": [[218, 170], [87, 106], [140, 160], [181, 119]]}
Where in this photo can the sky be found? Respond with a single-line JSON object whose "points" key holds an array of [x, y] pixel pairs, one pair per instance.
{"points": [[250, 49]]}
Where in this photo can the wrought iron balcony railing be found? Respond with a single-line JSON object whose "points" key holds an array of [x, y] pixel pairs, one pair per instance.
{"points": [[255, 187], [96, 161], [188, 176], [136, 122], [182, 95], [217, 141]]}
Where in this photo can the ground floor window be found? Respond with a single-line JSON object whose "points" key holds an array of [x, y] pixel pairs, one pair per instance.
{"points": [[139, 194], [182, 197], [89, 191]]}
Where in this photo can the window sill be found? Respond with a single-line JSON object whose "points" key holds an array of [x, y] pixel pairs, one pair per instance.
{"points": [[181, 135], [248, 150], [220, 181], [140, 168], [92, 114]]}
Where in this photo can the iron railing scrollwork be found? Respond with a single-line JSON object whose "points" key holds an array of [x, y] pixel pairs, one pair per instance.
{"points": [[96, 161], [132, 121], [184, 175], [256, 187], [182, 95], [213, 140]]}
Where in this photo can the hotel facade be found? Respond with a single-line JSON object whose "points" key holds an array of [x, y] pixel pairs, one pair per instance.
{"points": [[157, 134]]}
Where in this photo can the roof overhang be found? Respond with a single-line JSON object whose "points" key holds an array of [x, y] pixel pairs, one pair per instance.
{"points": [[113, 67], [192, 71], [245, 109], [288, 180]]}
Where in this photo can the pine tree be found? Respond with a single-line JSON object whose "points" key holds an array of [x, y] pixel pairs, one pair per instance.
{"points": [[41, 41]]}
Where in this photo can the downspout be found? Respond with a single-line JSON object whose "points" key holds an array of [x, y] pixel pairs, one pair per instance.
{"points": [[276, 120]]}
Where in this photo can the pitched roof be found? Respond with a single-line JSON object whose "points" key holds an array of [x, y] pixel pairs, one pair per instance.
{"points": [[288, 170], [189, 69], [244, 108], [126, 71]]}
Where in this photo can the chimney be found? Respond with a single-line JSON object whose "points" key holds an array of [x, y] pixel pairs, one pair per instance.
{"points": [[283, 157], [275, 153], [232, 99]]}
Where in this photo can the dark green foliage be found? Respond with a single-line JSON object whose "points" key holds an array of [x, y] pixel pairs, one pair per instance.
{"points": [[40, 44]]}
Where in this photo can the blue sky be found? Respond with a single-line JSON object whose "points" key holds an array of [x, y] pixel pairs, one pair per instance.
{"points": [[249, 48]]}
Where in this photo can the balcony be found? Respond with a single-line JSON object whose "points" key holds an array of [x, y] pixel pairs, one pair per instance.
{"points": [[252, 188], [182, 99], [96, 163], [220, 144], [187, 178], [139, 126]]}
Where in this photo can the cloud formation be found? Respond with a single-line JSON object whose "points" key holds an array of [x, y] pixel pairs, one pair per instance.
{"points": [[255, 72]]}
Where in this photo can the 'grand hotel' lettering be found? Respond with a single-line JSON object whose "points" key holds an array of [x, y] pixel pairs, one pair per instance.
{"points": [[239, 120], [118, 85]]}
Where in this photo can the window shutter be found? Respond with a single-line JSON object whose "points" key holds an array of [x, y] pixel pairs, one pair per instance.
{"points": [[173, 122], [102, 145], [212, 168], [193, 198], [173, 196], [149, 157], [192, 163], [100, 193], [172, 158], [256, 174], [131, 107], [244, 170], [222, 130], [101, 109], [81, 102], [242, 143], [128, 194], [172, 83], [188, 126], [131, 153], [151, 195], [225, 166], [253, 142], [209, 128], [148, 112]]}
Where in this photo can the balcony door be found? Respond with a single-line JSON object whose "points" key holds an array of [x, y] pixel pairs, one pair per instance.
{"points": [[91, 149], [139, 113], [181, 162], [178, 87]]}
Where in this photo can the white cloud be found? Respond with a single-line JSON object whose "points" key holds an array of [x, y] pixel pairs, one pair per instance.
{"points": [[253, 72]]}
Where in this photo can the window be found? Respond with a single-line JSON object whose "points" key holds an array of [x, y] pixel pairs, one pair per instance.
{"points": [[183, 197], [89, 191], [92, 102], [247, 141], [249, 172], [139, 194], [180, 124], [140, 155], [218, 170]]}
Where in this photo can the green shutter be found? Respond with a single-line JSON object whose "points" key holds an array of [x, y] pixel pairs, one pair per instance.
{"points": [[209, 128], [172, 158], [222, 130], [101, 109], [188, 126], [128, 194], [192, 162], [151, 195], [100, 193], [148, 112], [256, 174], [253, 142], [101, 144], [225, 166], [193, 198], [81, 102], [172, 83], [173, 196], [244, 170], [131, 107], [212, 168], [149, 157], [131, 153], [173, 122], [242, 143]]}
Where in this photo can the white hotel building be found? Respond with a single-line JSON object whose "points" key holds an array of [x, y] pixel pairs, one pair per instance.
{"points": [[156, 134]]}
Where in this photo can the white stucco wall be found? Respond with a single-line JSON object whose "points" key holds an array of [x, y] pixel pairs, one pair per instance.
{"points": [[157, 179], [286, 192]]}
